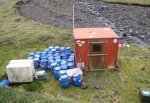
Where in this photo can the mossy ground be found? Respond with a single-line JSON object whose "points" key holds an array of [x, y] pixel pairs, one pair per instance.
{"points": [[18, 36]]}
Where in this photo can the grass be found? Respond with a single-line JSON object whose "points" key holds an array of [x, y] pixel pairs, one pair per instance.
{"points": [[136, 2], [18, 36]]}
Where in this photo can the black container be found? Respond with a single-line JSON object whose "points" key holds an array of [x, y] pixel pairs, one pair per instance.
{"points": [[145, 96]]}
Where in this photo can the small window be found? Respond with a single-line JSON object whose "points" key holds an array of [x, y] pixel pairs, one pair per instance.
{"points": [[96, 48]]}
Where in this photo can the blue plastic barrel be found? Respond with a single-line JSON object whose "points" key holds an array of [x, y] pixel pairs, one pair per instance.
{"points": [[70, 59], [76, 79], [68, 54], [70, 65], [49, 64], [39, 53], [53, 65], [62, 72], [31, 54], [44, 57], [37, 56], [68, 48], [57, 48], [58, 61], [65, 57], [56, 72], [53, 51], [56, 54], [57, 57], [63, 62], [50, 61], [50, 58], [64, 81], [43, 54], [62, 48], [36, 63], [44, 64], [50, 52], [50, 47], [4, 83], [47, 50], [30, 58], [64, 67], [49, 55]]}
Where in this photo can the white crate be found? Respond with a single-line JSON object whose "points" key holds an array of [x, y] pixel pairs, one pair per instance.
{"points": [[24, 61], [20, 71]]}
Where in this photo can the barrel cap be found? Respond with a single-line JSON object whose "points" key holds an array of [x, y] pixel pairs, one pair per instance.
{"points": [[54, 64], [63, 62], [64, 67], [51, 47], [57, 68], [63, 76], [70, 64], [36, 59], [76, 75], [43, 60], [62, 72]]}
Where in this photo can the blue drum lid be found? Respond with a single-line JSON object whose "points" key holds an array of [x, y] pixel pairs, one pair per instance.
{"points": [[47, 49], [50, 47], [43, 54], [68, 48], [70, 60], [64, 77], [44, 57], [63, 62], [58, 60], [36, 59], [57, 68], [62, 72], [39, 53], [76, 75], [50, 52], [57, 47], [44, 61], [31, 54], [56, 54], [64, 67], [37, 56], [57, 57], [70, 64], [53, 50], [31, 58], [54, 64], [49, 55], [51, 61], [50, 58], [62, 48]]}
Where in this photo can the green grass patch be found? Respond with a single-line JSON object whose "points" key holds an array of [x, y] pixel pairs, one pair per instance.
{"points": [[136, 2], [8, 95]]}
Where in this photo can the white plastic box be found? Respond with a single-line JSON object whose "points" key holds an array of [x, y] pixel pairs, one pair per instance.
{"points": [[20, 71]]}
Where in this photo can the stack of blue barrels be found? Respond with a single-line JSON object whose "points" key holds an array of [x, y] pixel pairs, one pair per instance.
{"points": [[55, 59]]}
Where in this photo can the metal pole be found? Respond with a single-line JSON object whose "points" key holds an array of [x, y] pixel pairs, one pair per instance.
{"points": [[73, 19]]}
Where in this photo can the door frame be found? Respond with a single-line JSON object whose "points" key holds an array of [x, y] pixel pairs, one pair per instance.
{"points": [[92, 54]]}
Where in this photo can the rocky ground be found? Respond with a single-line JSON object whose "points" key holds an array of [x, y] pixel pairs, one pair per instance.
{"points": [[132, 23]]}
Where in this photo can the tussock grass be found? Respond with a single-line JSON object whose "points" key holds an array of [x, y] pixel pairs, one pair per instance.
{"points": [[135, 2], [19, 96]]}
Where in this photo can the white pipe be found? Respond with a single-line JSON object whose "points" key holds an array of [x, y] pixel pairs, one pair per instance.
{"points": [[73, 19]]}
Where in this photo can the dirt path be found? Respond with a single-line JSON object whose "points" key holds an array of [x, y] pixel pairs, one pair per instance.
{"points": [[132, 23]]}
